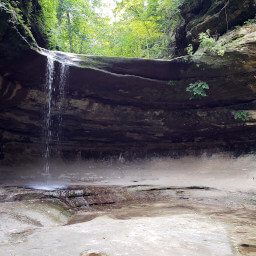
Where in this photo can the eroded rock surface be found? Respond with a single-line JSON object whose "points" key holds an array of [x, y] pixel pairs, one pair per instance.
{"points": [[218, 16], [134, 106], [205, 222], [116, 105]]}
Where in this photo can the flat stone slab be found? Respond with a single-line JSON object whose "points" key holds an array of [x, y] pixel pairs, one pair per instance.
{"points": [[179, 235]]}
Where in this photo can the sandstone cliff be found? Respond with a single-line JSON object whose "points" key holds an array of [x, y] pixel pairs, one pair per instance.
{"points": [[130, 105]]}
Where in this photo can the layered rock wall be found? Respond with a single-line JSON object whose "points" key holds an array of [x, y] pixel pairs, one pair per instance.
{"points": [[131, 106]]}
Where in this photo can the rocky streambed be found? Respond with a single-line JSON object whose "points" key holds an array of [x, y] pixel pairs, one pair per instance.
{"points": [[127, 220]]}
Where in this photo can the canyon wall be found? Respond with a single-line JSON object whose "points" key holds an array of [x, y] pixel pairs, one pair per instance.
{"points": [[131, 106]]}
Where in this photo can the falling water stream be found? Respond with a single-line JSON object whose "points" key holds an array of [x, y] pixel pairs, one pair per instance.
{"points": [[48, 114], [53, 111], [61, 102]]}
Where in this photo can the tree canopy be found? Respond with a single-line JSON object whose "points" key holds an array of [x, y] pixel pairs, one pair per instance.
{"points": [[138, 28]]}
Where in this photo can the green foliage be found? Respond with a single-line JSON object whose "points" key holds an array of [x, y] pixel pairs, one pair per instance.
{"points": [[14, 11], [172, 83], [16, 21], [197, 89], [238, 27], [67, 23], [140, 28], [3, 6], [212, 45], [241, 115], [190, 50], [185, 58], [250, 21]]}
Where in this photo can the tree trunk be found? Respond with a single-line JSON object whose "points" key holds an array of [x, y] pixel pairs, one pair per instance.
{"points": [[82, 42], [147, 47], [70, 33]]}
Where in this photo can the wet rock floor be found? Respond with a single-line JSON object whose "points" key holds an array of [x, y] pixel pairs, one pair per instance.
{"points": [[127, 220]]}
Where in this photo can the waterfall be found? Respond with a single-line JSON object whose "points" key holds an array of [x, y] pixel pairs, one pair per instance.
{"points": [[48, 113], [53, 112], [61, 100]]}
